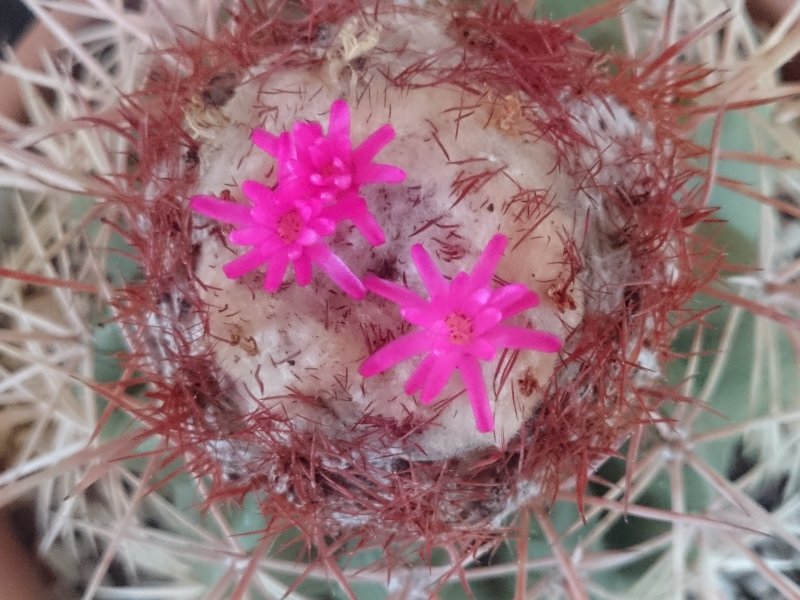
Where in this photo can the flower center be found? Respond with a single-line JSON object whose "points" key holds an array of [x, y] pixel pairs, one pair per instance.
{"points": [[328, 170], [289, 227], [460, 328], [333, 172]]}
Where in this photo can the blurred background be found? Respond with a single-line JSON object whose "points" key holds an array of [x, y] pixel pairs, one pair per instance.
{"points": [[14, 18]]}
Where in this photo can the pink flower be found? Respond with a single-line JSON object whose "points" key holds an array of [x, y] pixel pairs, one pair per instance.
{"points": [[460, 325], [314, 165], [281, 230]]}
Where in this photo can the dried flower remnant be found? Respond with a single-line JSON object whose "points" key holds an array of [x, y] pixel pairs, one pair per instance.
{"points": [[460, 325], [314, 165], [282, 230]]}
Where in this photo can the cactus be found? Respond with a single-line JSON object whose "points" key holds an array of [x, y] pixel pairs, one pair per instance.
{"points": [[404, 300]]}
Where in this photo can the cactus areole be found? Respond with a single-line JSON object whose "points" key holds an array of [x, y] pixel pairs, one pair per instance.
{"points": [[405, 269]]}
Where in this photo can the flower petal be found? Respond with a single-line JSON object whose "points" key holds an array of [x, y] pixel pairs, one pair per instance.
{"points": [[398, 294], [343, 182], [270, 246], [485, 320], [439, 375], [529, 301], [323, 227], [221, 210], [305, 135], [243, 264], [250, 236], [302, 270], [521, 338], [268, 142], [459, 295], [472, 375], [307, 237], [266, 213], [421, 316], [434, 281], [321, 155], [335, 268], [482, 348], [354, 208], [480, 297], [370, 147], [512, 294], [369, 228], [292, 186], [377, 173], [484, 269], [395, 352], [339, 120], [420, 375], [276, 271], [260, 194]]}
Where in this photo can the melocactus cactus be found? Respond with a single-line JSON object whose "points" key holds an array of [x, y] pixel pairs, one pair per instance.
{"points": [[508, 144], [406, 271]]}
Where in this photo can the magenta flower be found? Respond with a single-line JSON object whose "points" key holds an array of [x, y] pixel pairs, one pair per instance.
{"points": [[460, 325], [281, 230], [314, 165]]}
